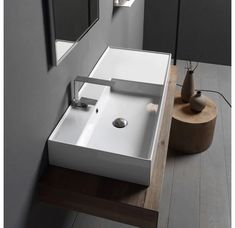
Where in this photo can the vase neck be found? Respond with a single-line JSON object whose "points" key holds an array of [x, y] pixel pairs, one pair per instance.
{"points": [[190, 72]]}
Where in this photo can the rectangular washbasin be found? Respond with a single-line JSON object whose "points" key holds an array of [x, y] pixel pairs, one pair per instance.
{"points": [[88, 140]]}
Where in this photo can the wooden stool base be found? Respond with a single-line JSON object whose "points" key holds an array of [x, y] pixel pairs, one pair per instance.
{"points": [[192, 132]]}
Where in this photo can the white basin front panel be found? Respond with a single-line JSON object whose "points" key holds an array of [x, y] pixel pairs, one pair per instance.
{"points": [[100, 163]]}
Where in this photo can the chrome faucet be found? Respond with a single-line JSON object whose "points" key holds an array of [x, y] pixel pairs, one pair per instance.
{"points": [[83, 102]]}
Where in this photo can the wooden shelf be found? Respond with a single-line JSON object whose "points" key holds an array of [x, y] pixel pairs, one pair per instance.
{"points": [[126, 4], [108, 198]]}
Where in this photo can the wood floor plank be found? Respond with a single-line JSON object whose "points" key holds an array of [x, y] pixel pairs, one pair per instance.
{"points": [[165, 201], [184, 210], [226, 127], [214, 205], [214, 209], [224, 85], [224, 80]]}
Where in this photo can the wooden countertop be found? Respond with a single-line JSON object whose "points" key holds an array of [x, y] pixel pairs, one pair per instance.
{"points": [[112, 199]]}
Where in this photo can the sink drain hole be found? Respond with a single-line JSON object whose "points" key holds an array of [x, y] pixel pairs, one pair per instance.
{"points": [[120, 123]]}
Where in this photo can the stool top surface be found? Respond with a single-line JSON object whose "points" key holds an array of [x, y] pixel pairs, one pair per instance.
{"points": [[183, 112]]}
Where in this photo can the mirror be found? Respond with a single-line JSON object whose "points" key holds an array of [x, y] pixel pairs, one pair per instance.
{"points": [[70, 20]]}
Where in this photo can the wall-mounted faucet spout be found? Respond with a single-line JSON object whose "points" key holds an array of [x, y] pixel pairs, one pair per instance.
{"points": [[83, 102]]}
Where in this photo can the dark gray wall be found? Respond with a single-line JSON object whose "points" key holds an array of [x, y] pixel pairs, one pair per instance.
{"points": [[204, 31], [36, 96], [160, 25]]}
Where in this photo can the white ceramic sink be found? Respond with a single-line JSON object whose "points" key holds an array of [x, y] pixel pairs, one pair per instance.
{"points": [[87, 140]]}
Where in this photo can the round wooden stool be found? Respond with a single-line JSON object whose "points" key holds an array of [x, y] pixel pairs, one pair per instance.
{"points": [[192, 132]]}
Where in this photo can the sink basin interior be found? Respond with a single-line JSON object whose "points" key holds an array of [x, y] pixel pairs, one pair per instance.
{"points": [[93, 128]]}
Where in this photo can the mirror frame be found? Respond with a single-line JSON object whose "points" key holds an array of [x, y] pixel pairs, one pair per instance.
{"points": [[52, 33]]}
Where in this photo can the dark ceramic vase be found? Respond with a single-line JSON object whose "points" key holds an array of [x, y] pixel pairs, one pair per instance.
{"points": [[187, 90], [197, 102]]}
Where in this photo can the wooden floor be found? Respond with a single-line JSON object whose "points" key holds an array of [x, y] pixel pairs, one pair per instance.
{"points": [[196, 191]]}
